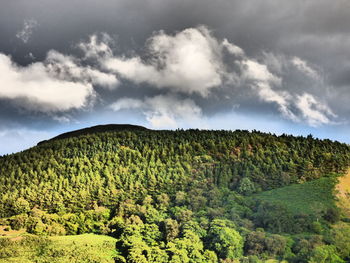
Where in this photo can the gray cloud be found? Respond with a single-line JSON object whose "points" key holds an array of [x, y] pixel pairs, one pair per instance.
{"points": [[164, 111], [26, 32], [192, 61]]}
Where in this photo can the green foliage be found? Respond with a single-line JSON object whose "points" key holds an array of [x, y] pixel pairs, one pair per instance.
{"points": [[325, 254], [21, 206], [263, 244], [71, 174], [225, 240], [177, 196], [341, 239], [246, 187]]}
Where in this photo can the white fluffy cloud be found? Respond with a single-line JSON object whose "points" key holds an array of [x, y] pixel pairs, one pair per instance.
{"points": [[295, 107], [314, 112], [41, 90], [262, 80], [59, 83], [258, 72], [233, 49], [164, 111], [67, 67], [188, 62], [304, 67]]}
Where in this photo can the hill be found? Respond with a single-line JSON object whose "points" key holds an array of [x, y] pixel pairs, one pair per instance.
{"points": [[98, 129], [181, 196]]}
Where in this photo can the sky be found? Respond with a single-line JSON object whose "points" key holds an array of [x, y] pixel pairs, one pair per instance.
{"points": [[277, 66]]}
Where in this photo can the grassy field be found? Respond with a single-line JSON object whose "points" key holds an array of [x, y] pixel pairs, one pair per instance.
{"points": [[87, 248], [304, 198]]}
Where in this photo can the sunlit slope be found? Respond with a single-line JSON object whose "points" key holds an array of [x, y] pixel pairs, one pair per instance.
{"points": [[85, 248], [343, 194]]}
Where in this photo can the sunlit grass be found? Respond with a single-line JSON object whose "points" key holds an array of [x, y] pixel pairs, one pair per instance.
{"points": [[61, 249], [306, 198]]}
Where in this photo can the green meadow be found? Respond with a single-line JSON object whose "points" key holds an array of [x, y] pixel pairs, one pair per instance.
{"points": [[58, 249], [307, 198]]}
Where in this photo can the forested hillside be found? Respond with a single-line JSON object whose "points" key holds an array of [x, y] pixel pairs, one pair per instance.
{"points": [[183, 196]]}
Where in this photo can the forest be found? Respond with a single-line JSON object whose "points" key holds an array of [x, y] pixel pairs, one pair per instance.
{"points": [[178, 196]]}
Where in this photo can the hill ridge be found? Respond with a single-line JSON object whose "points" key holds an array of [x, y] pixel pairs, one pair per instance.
{"points": [[97, 129]]}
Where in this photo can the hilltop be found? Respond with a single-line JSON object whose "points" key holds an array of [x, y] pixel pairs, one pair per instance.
{"points": [[98, 129]]}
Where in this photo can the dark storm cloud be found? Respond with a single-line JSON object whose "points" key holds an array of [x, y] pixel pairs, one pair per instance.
{"points": [[272, 33], [251, 24]]}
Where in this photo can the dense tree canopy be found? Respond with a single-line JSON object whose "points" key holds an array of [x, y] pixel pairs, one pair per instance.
{"points": [[175, 196]]}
